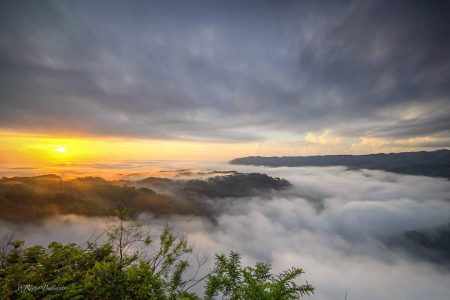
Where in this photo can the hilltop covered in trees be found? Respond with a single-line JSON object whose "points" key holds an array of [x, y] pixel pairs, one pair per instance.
{"points": [[36, 198]]}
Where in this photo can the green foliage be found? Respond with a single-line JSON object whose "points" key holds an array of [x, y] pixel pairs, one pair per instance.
{"points": [[236, 185], [235, 283], [132, 265], [25, 199]]}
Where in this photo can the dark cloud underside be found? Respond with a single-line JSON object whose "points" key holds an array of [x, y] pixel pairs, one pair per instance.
{"points": [[225, 70]]}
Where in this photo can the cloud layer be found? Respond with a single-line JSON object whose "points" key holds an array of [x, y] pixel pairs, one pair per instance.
{"points": [[228, 71], [332, 222]]}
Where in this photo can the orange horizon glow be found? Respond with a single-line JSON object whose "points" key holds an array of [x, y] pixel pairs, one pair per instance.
{"points": [[20, 147]]}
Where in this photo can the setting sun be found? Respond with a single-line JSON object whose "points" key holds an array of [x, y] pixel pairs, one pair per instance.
{"points": [[60, 149]]}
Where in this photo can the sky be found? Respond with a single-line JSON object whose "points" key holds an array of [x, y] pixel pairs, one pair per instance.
{"points": [[221, 79]]}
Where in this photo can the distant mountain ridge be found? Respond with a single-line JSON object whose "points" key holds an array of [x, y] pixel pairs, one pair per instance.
{"points": [[433, 163]]}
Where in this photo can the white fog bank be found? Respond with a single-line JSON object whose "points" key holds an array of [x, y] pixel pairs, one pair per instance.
{"points": [[331, 222]]}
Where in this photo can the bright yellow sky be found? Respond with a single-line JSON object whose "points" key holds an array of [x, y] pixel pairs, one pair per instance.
{"points": [[16, 148]]}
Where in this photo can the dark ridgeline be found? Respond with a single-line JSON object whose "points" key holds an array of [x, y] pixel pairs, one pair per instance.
{"points": [[430, 244], [435, 163]]}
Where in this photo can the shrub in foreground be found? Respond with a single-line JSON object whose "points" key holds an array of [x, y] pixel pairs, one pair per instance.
{"points": [[131, 265]]}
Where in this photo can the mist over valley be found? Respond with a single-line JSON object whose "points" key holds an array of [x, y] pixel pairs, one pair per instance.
{"points": [[380, 227]]}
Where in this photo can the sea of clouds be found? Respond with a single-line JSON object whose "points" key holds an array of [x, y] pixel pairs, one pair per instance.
{"points": [[332, 222]]}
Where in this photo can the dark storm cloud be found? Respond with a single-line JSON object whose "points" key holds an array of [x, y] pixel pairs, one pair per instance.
{"points": [[223, 70]]}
